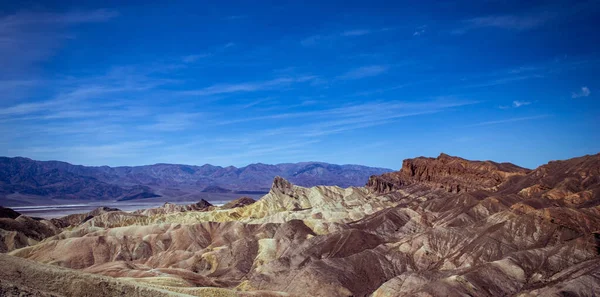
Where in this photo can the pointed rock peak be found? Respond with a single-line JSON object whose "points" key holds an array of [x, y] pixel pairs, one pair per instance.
{"points": [[8, 213], [203, 204], [280, 183], [444, 156]]}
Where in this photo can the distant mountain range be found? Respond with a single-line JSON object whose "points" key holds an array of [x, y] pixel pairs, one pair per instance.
{"points": [[23, 179]]}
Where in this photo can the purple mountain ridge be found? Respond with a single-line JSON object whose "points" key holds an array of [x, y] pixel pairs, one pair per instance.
{"points": [[23, 177]]}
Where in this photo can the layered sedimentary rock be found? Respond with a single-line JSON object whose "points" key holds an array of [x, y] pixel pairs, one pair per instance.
{"points": [[202, 205], [446, 172], [17, 231], [439, 227], [80, 218], [240, 202]]}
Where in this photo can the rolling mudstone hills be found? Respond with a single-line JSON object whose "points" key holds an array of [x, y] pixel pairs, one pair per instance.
{"points": [[24, 181], [441, 226]]}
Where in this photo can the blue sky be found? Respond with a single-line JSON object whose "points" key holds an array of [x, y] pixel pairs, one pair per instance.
{"points": [[233, 83]]}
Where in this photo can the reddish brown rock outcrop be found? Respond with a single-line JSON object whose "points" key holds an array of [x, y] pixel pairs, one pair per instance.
{"points": [[452, 174], [574, 182], [240, 202]]}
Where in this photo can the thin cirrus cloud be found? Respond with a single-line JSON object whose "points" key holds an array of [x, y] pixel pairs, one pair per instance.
{"points": [[420, 31], [259, 150], [214, 51], [364, 72], [113, 150], [509, 22], [83, 127], [174, 122], [33, 36], [7, 85], [318, 39], [194, 58], [74, 17], [59, 103], [86, 98], [359, 32], [511, 120], [518, 103], [312, 126], [583, 92], [515, 104], [248, 86], [503, 80], [63, 103], [357, 113], [506, 22]]}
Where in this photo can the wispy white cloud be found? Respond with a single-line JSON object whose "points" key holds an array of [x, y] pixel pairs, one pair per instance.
{"points": [[359, 32], [355, 123], [13, 90], [9, 85], [259, 150], [502, 80], [28, 37], [87, 97], [548, 69], [194, 58], [325, 38], [174, 122], [61, 101], [248, 86], [101, 152], [518, 103], [509, 21], [62, 104], [378, 91], [83, 128], [420, 31], [350, 117], [515, 104], [255, 102], [363, 72], [583, 92], [506, 22], [314, 40], [26, 108], [511, 120], [44, 18]]}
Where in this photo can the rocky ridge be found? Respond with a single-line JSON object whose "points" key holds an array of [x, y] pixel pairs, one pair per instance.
{"points": [[240, 202], [445, 172], [202, 205]]}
